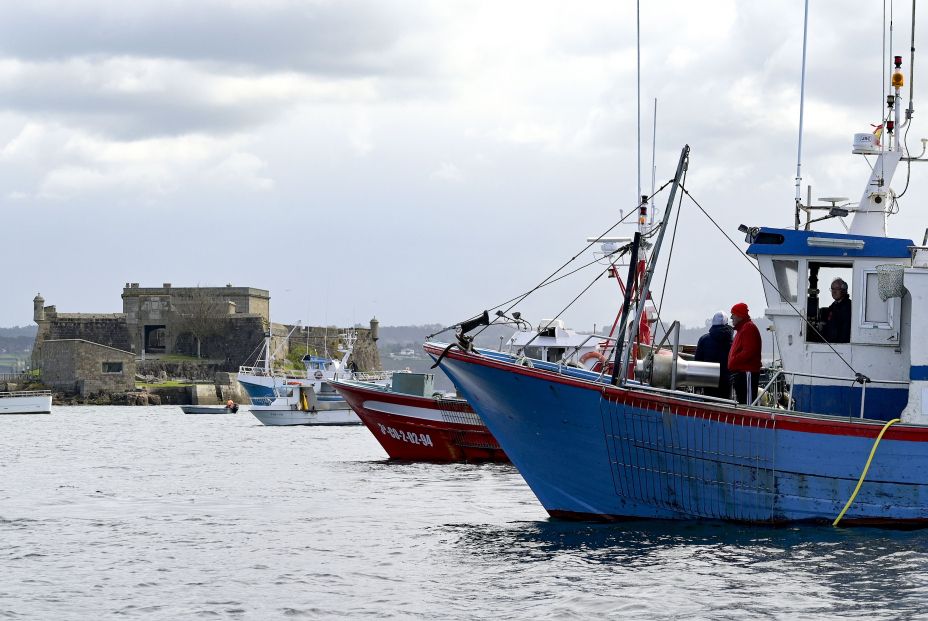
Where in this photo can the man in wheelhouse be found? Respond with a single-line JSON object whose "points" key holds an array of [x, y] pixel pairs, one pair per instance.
{"points": [[837, 317]]}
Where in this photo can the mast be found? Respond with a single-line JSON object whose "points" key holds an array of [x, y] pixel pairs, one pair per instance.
{"points": [[802, 103], [638, 44], [649, 273]]}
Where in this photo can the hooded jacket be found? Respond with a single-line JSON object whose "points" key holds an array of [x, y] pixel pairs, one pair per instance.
{"points": [[714, 347]]}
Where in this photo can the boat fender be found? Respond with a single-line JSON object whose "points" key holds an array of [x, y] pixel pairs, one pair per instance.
{"points": [[595, 356]]}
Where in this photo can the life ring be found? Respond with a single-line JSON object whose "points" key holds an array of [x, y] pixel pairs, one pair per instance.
{"points": [[592, 355]]}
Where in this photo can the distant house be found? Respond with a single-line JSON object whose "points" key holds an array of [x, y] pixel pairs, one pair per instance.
{"points": [[76, 366]]}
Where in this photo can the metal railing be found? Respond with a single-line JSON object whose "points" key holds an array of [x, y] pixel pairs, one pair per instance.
{"points": [[371, 376], [17, 377], [26, 393], [574, 350], [285, 373], [781, 373]]}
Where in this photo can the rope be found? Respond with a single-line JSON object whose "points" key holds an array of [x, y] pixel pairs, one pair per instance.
{"points": [[859, 377], [564, 310], [547, 281], [863, 474]]}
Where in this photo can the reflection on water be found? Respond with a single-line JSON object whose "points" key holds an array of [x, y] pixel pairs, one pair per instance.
{"points": [[704, 569], [148, 513]]}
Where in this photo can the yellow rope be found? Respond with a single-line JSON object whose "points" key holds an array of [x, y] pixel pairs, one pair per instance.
{"points": [[863, 474]]}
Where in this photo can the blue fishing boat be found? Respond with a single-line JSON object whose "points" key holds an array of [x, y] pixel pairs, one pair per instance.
{"points": [[838, 433]]}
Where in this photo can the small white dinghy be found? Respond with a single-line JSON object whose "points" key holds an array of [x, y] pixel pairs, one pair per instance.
{"points": [[26, 402]]}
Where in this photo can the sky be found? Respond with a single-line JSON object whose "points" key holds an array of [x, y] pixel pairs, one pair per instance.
{"points": [[418, 161]]}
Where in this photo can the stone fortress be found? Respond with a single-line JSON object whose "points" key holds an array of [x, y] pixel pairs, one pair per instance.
{"points": [[214, 330]]}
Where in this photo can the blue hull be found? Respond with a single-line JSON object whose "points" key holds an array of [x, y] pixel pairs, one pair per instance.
{"points": [[592, 451]]}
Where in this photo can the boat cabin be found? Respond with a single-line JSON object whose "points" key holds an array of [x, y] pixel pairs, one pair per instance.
{"points": [[798, 271], [551, 341], [318, 364]]}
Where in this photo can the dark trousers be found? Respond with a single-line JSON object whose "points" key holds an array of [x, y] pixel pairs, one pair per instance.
{"points": [[745, 385]]}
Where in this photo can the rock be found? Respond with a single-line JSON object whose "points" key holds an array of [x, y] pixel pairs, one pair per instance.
{"points": [[154, 400]]}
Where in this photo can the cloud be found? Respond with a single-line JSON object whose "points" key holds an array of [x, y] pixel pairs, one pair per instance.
{"points": [[241, 170], [321, 37], [56, 162], [135, 97], [448, 172]]}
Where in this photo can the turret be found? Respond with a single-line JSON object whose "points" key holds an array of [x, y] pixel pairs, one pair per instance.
{"points": [[375, 329], [38, 308]]}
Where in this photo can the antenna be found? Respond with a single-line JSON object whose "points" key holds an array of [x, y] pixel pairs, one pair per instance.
{"points": [[638, 44], [911, 109], [653, 166], [802, 103]]}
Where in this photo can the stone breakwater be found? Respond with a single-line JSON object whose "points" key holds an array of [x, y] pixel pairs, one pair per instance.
{"points": [[223, 388]]}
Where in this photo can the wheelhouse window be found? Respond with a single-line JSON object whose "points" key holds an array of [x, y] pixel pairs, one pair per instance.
{"points": [[828, 304], [786, 272], [876, 311], [534, 352]]}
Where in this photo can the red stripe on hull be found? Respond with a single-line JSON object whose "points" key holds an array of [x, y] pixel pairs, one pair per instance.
{"points": [[792, 421], [415, 439], [418, 439]]}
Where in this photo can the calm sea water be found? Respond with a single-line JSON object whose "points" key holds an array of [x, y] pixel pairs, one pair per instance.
{"points": [[147, 513]]}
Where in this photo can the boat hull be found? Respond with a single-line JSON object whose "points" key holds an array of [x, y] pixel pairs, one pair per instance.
{"points": [[416, 428], [592, 451], [206, 409], [277, 417], [26, 404]]}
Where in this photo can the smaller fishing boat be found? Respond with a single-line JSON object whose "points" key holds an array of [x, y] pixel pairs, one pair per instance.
{"points": [[304, 397], [413, 423], [26, 402], [209, 409]]}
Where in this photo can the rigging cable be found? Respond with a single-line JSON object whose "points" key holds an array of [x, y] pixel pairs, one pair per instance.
{"points": [[673, 239], [859, 377], [564, 310], [545, 282]]}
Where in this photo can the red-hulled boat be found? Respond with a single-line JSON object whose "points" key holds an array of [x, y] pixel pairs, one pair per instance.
{"points": [[412, 424]]}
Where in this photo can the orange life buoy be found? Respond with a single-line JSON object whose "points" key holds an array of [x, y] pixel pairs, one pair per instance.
{"points": [[597, 357]]}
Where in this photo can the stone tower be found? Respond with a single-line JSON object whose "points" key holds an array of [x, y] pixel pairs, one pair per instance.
{"points": [[38, 308]]}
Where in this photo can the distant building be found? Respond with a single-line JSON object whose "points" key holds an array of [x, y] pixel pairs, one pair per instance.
{"points": [[158, 318], [223, 324], [76, 366]]}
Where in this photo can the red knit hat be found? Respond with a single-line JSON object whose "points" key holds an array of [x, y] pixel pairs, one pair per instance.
{"points": [[740, 309]]}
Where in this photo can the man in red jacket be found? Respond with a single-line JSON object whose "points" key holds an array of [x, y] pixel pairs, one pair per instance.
{"points": [[744, 356]]}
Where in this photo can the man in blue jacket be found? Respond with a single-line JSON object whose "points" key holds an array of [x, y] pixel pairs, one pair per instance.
{"points": [[714, 347]]}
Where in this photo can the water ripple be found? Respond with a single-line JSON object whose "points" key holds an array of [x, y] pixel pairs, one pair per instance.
{"points": [[144, 513]]}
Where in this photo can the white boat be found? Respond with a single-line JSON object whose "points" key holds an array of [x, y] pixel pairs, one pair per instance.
{"points": [[26, 402], [302, 410], [304, 397], [208, 409]]}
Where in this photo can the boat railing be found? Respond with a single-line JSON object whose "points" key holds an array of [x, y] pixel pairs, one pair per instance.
{"points": [[792, 375], [262, 372], [375, 376], [573, 351], [26, 393]]}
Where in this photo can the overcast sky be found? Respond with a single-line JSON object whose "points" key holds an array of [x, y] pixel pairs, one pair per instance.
{"points": [[417, 161]]}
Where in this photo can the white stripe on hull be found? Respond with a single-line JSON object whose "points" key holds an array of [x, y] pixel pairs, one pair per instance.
{"points": [[412, 411]]}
